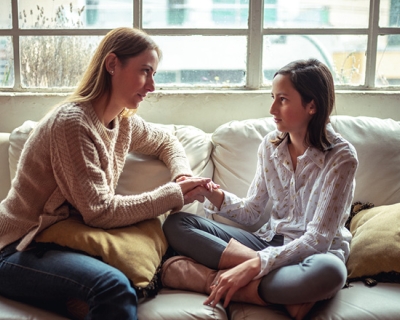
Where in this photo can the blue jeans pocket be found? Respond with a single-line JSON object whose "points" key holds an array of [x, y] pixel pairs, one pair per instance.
{"points": [[8, 250]]}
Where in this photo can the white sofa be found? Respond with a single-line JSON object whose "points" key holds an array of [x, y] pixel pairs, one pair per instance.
{"points": [[228, 155]]}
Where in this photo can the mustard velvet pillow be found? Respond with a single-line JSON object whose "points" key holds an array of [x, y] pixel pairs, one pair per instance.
{"points": [[136, 250], [375, 247]]}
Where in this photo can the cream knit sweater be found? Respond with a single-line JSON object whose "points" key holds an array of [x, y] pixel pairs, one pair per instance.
{"points": [[71, 162]]}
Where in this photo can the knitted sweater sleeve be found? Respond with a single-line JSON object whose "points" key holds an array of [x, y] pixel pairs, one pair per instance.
{"points": [[83, 168]]}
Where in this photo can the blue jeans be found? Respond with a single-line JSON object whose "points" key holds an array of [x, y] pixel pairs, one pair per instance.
{"points": [[49, 274]]}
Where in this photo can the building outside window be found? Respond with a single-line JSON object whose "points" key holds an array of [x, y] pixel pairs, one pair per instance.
{"points": [[45, 45]]}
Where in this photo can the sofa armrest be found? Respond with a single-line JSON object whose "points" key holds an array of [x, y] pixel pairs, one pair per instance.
{"points": [[4, 166]]}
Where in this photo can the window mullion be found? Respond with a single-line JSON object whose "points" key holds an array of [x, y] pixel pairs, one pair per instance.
{"points": [[137, 14], [15, 40], [254, 44], [372, 45]]}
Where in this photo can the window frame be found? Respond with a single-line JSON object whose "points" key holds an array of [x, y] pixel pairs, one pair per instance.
{"points": [[255, 33]]}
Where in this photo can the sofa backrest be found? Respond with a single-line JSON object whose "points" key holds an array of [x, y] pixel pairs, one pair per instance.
{"points": [[4, 171], [235, 157], [229, 155], [377, 142]]}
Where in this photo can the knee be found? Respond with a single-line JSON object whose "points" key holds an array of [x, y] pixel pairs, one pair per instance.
{"points": [[113, 297], [114, 284], [172, 223], [330, 271], [335, 269]]}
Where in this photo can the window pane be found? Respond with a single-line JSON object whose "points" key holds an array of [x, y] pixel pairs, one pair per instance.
{"points": [[59, 14], [198, 60], [5, 14], [387, 63], [195, 14], [343, 54], [6, 62], [108, 14], [55, 61], [316, 14], [389, 15]]}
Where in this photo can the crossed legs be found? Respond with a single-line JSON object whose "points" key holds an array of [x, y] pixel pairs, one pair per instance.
{"points": [[317, 277]]}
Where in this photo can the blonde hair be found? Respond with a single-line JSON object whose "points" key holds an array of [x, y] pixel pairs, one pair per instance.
{"points": [[125, 43]]}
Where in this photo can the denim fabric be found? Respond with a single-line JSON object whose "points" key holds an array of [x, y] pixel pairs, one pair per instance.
{"points": [[49, 273]]}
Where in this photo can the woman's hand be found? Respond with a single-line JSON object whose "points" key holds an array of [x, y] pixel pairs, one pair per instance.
{"points": [[194, 189], [232, 280], [209, 186]]}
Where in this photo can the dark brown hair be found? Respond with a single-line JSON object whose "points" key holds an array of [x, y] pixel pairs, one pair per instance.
{"points": [[314, 82]]}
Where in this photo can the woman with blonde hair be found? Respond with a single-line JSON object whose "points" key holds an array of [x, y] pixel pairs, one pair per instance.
{"points": [[70, 165]]}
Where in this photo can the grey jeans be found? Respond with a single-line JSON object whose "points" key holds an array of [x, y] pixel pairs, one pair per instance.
{"points": [[317, 277]]}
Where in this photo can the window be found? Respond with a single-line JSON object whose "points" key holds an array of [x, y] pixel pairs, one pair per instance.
{"points": [[45, 45]]}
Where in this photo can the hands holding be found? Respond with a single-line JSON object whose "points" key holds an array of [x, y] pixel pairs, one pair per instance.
{"points": [[195, 188]]}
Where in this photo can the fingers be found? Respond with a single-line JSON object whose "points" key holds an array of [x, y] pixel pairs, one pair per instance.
{"points": [[212, 186], [195, 181], [190, 183], [230, 281], [181, 178], [217, 294], [228, 297], [212, 300], [196, 188]]}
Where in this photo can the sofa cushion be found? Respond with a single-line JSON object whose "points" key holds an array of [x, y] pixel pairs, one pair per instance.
{"points": [[4, 170], [135, 250], [235, 156], [375, 247], [172, 304], [354, 303], [145, 173], [15, 310], [17, 140], [377, 144]]}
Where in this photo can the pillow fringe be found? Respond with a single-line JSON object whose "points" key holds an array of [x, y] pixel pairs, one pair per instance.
{"points": [[370, 281], [356, 207], [151, 290]]}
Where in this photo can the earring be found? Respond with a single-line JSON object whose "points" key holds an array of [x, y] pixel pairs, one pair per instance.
{"points": [[111, 72]]}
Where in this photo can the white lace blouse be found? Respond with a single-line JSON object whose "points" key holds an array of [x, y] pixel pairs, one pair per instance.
{"points": [[309, 206]]}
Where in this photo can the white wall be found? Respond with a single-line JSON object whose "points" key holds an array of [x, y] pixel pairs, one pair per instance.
{"points": [[205, 110]]}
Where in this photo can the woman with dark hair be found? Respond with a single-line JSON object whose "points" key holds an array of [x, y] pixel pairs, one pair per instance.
{"points": [[307, 170], [70, 165]]}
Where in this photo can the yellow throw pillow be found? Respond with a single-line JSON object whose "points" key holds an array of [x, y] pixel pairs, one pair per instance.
{"points": [[136, 250], [375, 247]]}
